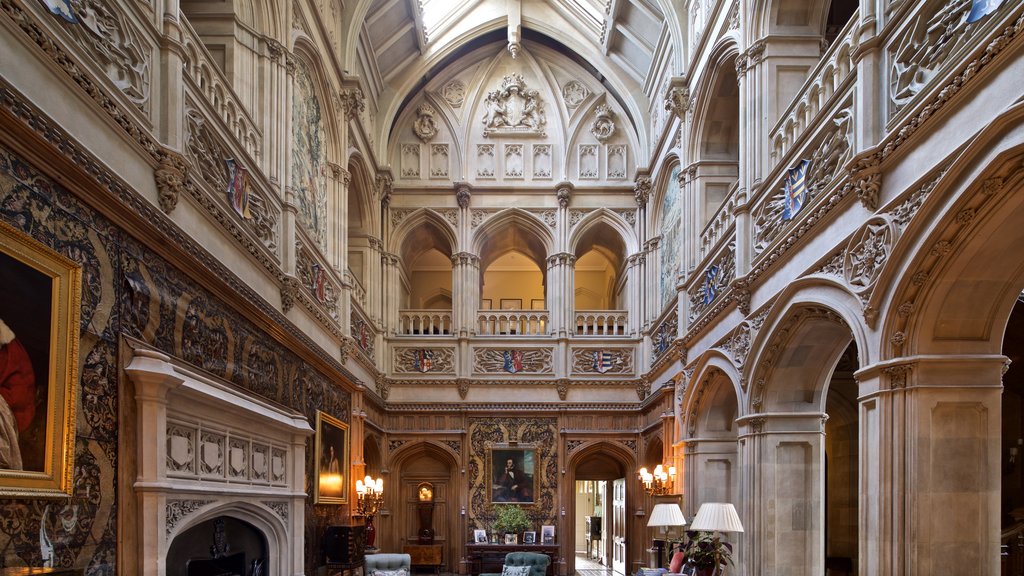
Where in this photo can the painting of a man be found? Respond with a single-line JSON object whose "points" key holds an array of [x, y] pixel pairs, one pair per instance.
{"points": [[512, 475]]}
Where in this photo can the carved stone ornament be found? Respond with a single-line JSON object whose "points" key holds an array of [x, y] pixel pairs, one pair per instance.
{"points": [[678, 101], [463, 193], [642, 190], [514, 110], [454, 93], [170, 180], [825, 165], [867, 253], [574, 93], [425, 126], [424, 361], [115, 46], [512, 361], [384, 187], [603, 127], [563, 193], [939, 31], [352, 103]]}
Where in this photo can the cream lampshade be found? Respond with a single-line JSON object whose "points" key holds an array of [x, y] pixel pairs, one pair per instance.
{"points": [[716, 517], [666, 515]]}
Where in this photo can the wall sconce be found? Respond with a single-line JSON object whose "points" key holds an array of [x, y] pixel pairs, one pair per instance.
{"points": [[659, 482], [369, 497]]}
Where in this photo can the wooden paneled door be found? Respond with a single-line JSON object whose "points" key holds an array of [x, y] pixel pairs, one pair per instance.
{"points": [[619, 526]]}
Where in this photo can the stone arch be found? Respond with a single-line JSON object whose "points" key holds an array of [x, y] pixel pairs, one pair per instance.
{"points": [[828, 301], [615, 457], [712, 408], [661, 180], [797, 17], [442, 234], [623, 230], [956, 271], [513, 228], [260, 516], [706, 365]]}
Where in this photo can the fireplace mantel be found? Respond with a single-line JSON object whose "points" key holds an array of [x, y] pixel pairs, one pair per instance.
{"points": [[208, 449]]}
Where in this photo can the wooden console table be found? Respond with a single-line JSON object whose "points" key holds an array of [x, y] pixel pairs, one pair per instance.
{"points": [[491, 557], [425, 556]]}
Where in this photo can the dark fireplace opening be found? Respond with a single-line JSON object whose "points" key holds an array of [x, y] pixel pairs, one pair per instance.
{"points": [[222, 546]]}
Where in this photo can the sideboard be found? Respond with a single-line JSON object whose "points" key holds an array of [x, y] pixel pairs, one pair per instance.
{"points": [[488, 558]]}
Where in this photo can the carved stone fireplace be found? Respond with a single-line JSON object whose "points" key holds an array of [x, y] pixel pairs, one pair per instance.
{"points": [[212, 456]]}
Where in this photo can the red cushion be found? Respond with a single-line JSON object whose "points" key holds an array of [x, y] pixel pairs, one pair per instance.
{"points": [[677, 563]]}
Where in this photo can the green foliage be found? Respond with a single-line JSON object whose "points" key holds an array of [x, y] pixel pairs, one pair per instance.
{"points": [[511, 519], [702, 548]]}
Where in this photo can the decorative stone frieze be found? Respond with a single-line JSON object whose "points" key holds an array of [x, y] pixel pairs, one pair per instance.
{"points": [[423, 360], [602, 361], [512, 360]]}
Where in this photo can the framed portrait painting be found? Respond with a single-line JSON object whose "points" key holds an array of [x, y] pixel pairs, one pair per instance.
{"points": [[40, 295], [332, 459], [513, 474]]}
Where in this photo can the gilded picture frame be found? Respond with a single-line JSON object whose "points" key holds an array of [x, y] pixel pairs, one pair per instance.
{"points": [[40, 312], [515, 486], [331, 460]]}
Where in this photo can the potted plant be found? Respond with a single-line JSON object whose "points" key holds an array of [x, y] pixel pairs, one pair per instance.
{"points": [[707, 553], [511, 519]]}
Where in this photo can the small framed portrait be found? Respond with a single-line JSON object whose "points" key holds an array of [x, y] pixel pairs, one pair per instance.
{"points": [[529, 537], [511, 538], [513, 475], [537, 304], [40, 311], [494, 538], [511, 303], [547, 534], [480, 536], [332, 463]]}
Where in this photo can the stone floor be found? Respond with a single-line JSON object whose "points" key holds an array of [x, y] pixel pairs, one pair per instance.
{"points": [[589, 567]]}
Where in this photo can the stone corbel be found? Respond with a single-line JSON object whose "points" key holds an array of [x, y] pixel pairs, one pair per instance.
{"points": [[463, 385], [385, 181], [170, 177], [564, 193], [677, 99], [289, 293], [642, 189], [463, 194], [351, 102], [865, 176], [383, 385]]}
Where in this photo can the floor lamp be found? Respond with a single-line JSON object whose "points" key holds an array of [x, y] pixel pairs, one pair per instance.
{"points": [[665, 515], [717, 517]]}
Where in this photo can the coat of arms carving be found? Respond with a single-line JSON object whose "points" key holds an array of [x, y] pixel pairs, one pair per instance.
{"points": [[514, 109]]}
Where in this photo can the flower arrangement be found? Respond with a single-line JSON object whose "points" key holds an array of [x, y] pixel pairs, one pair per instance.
{"points": [[511, 519], [704, 550]]}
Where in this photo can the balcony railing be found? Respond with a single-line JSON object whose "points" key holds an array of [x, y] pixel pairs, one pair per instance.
{"points": [[829, 77], [721, 222], [601, 322], [512, 322], [216, 89], [425, 322]]}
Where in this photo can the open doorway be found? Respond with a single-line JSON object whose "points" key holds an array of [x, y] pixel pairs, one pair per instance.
{"points": [[589, 547]]}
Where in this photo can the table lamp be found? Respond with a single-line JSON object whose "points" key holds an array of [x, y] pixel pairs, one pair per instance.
{"points": [[665, 515], [716, 517]]}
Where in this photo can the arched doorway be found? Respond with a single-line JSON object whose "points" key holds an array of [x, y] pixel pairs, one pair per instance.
{"points": [[597, 474], [426, 463]]}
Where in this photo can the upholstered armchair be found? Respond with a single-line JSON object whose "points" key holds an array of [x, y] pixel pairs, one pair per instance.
{"points": [[538, 563], [389, 562]]}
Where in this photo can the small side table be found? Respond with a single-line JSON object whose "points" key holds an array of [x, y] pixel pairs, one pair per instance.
{"points": [[425, 556]]}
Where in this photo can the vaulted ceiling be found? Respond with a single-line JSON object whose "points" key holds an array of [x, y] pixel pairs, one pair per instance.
{"points": [[401, 41]]}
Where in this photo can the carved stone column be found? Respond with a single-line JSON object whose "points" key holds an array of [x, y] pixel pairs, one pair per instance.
{"points": [[782, 511], [560, 290], [465, 292], [929, 496], [392, 294], [275, 114]]}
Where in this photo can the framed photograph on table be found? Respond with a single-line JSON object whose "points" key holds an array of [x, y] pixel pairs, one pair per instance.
{"points": [[40, 313], [480, 536], [529, 537], [332, 459], [513, 474], [511, 538], [547, 534]]}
